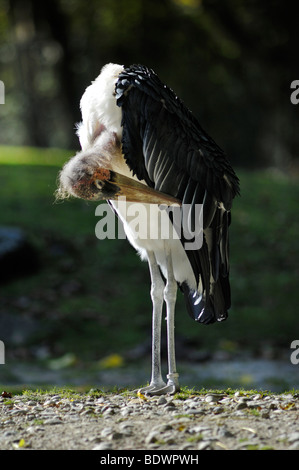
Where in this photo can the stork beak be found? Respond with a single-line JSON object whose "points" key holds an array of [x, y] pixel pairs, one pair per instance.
{"points": [[134, 191]]}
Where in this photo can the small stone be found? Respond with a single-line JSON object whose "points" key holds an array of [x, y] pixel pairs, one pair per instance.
{"points": [[225, 400], [241, 406], [103, 446], [257, 397], [169, 404], [18, 412], [37, 408], [294, 436], [162, 401], [153, 436], [160, 428], [294, 446], [195, 412], [213, 398], [244, 400], [126, 425], [34, 429], [100, 400], [8, 433], [218, 409], [126, 411], [31, 403], [52, 421], [108, 411], [287, 396], [204, 445], [52, 401], [115, 435], [106, 432], [88, 411], [265, 414], [94, 439], [224, 432]]}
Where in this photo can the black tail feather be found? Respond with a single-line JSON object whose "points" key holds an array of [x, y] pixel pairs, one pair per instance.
{"points": [[211, 309]]}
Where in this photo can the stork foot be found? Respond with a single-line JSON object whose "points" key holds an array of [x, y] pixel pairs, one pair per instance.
{"points": [[170, 388], [152, 387]]}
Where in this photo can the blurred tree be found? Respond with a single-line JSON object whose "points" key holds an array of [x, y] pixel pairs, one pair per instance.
{"points": [[231, 62]]}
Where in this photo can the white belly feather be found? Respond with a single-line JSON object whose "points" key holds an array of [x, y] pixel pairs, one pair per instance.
{"points": [[149, 229]]}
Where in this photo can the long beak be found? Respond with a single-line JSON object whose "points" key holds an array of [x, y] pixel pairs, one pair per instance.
{"points": [[138, 192]]}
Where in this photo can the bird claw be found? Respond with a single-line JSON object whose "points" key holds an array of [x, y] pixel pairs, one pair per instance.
{"points": [[152, 387], [161, 388], [169, 389]]}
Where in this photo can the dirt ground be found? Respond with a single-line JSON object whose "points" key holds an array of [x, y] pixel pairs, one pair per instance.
{"points": [[111, 422]]}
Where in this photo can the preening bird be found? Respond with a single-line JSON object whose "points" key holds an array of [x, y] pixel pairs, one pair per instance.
{"points": [[140, 141]]}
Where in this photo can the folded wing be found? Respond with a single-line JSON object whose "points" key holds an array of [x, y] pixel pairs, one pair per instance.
{"points": [[164, 145]]}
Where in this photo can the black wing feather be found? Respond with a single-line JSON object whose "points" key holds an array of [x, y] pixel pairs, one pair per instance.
{"points": [[164, 145]]}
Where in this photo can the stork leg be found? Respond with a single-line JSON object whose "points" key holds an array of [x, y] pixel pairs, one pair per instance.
{"points": [[169, 292], [157, 289]]}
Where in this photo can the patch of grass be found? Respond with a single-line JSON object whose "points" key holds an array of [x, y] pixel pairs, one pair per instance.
{"points": [[254, 412], [31, 393], [197, 438], [10, 155]]}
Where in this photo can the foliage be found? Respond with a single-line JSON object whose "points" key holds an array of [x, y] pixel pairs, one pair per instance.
{"points": [[231, 62]]}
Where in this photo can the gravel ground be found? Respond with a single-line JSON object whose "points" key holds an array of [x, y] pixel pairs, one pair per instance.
{"points": [[116, 421]]}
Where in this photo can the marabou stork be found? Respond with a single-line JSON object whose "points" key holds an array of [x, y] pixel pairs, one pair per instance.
{"points": [[140, 141]]}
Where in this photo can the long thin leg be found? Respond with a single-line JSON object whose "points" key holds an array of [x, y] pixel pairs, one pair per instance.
{"points": [[170, 292], [157, 289]]}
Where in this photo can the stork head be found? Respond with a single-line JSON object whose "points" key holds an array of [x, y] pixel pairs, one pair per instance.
{"points": [[88, 175], [99, 171], [94, 175]]}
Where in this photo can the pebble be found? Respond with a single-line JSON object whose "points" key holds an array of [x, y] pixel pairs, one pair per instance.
{"points": [[294, 436], [213, 398], [203, 445], [241, 406], [52, 421], [115, 421], [153, 436], [162, 400], [103, 446]]}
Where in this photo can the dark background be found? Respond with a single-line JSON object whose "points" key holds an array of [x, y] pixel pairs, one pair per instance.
{"points": [[68, 300], [231, 62]]}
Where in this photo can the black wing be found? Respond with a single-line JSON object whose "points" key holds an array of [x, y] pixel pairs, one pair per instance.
{"points": [[164, 145]]}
